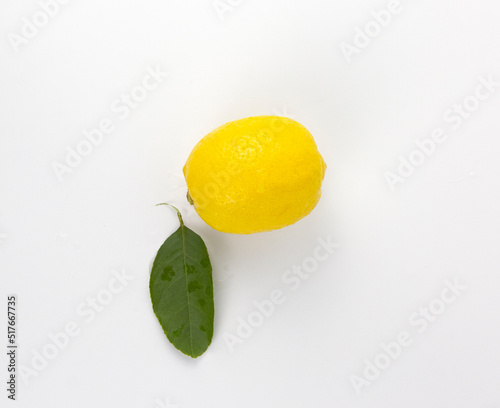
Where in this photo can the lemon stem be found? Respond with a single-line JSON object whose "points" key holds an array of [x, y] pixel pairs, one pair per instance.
{"points": [[189, 198]]}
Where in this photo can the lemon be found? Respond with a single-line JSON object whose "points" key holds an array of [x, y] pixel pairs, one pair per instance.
{"points": [[255, 174]]}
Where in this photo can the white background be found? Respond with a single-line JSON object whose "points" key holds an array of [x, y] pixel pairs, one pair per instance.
{"points": [[60, 241]]}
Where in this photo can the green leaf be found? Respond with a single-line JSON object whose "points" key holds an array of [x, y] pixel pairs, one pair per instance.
{"points": [[182, 292]]}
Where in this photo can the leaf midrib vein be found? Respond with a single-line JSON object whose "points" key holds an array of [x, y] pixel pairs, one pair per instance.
{"points": [[187, 292]]}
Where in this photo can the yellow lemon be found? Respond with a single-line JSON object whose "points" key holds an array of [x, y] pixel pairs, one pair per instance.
{"points": [[255, 174]]}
